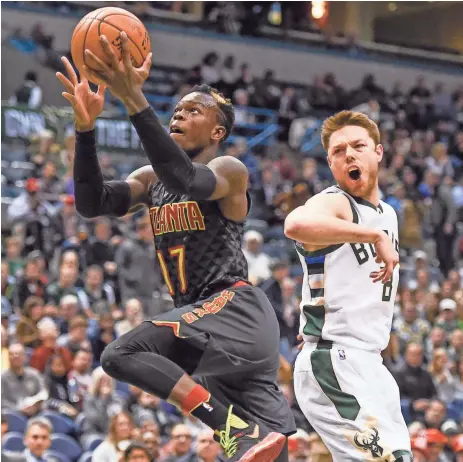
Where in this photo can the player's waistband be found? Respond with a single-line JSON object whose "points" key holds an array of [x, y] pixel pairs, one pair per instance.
{"points": [[319, 343]]}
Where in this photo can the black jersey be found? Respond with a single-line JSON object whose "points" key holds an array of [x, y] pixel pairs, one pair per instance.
{"points": [[199, 250]]}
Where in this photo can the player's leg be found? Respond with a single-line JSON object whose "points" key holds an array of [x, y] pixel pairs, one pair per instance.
{"points": [[352, 402], [154, 357]]}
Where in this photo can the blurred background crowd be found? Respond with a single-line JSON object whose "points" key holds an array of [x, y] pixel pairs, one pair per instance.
{"points": [[70, 286]]}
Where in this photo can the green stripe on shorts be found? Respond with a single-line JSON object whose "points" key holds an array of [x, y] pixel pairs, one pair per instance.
{"points": [[322, 366]]}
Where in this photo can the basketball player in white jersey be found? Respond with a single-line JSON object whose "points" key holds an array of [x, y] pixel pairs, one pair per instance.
{"points": [[347, 240]]}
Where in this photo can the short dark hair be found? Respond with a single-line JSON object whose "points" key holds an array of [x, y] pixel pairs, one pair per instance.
{"points": [[133, 446], [226, 109], [31, 75]]}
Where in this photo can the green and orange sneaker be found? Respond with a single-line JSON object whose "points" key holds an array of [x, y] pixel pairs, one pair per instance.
{"points": [[245, 441]]}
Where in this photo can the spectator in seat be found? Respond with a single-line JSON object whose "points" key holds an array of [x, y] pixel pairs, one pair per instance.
{"points": [[435, 414], [77, 338], [180, 445], [133, 316], [96, 292], [68, 309], [66, 222], [37, 440], [56, 380], [455, 351], [139, 274], [80, 378], [209, 71], [273, 289], [29, 93], [207, 449], [101, 403], [436, 339], [152, 441], [137, 452], [8, 288], [27, 331], [258, 261], [448, 316], [66, 285], [42, 354], [148, 407], [120, 429], [409, 327], [415, 383], [23, 388], [51, 184], [443, 379], [100, 249], [13, 256], [30, 283], [102, 336]]}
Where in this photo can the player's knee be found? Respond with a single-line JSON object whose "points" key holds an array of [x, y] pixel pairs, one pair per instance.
{"points": [[112, 360]]}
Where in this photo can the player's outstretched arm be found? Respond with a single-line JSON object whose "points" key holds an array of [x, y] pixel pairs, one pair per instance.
{"points": [[224, 180], [94, 197], [327, 219]]}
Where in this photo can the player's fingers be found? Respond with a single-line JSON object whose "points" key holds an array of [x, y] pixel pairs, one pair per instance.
{"points": [[95, 77], [125, 51], [109, 52], [388, 272], [101, 90], [96, 63], [70, 70], [379, 275], [70, 98], [66, 82], [147, 64], [378, 259]]}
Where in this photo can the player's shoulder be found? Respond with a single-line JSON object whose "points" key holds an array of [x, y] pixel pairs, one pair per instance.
{"points": [[387, 209], [228, 164]]}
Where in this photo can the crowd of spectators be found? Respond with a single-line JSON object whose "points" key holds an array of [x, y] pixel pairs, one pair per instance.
{"points": [[70, 286]]}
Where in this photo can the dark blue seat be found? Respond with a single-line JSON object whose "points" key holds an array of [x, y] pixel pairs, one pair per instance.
{"points": [[91, 442], [16, 421], [67, 446], [13, 441], [61, 424]]}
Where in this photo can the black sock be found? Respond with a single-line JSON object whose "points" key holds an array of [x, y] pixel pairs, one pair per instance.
{"points": [[214, 414]]}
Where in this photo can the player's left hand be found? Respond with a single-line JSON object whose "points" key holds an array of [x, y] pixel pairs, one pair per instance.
{"points": [[123, 80]]}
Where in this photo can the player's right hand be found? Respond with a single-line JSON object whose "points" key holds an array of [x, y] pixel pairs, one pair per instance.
{"points": [[86, 104], [386, 254]]}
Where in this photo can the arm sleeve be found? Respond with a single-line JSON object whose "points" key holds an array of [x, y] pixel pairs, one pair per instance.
{"points": [[94, 197], [171, 164]]}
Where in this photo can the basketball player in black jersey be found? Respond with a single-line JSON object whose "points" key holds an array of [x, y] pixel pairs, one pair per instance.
{"points": [[223, 331]]}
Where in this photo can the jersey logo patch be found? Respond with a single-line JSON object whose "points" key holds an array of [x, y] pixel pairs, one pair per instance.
{"points": [[342, 354]]}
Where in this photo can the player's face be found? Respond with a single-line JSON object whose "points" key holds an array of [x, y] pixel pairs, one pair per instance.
{"points": [[194, 124], [354, 160]]}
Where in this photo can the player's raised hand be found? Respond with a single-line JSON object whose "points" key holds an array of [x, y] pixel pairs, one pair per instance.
{"points": [[386, 254], [121, 77], [86, 104]]}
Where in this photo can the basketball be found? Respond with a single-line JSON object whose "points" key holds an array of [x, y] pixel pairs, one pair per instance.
{"points": [[109, 21]]}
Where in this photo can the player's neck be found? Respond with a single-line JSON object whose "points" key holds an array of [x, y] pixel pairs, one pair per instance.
{"points": [[206, 155], [372, 196]]}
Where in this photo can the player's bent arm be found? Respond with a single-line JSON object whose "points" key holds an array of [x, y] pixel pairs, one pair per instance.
{"points": [[327, 219], [171, 164], [95, 197]]}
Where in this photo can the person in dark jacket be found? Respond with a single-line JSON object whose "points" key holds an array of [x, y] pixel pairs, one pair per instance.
{"points": [[415, 382]]}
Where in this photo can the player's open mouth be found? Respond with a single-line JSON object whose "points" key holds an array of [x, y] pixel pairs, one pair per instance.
{"points": [[176, 131], [354, 173]]}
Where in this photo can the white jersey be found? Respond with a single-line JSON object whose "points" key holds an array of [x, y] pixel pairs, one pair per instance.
{"points": [[340, 302]]}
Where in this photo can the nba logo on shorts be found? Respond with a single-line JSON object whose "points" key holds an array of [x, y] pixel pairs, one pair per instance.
{"points": [[342, 354]]}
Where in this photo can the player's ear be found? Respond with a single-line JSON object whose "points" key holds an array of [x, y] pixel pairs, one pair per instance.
{"points": [[379, 152], [218, 133]]}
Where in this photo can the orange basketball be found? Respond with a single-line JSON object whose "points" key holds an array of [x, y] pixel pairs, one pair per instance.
{"points": [[110, 22]]}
